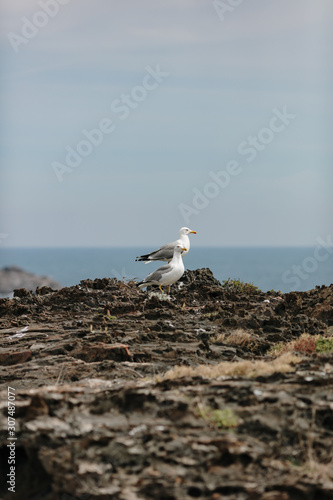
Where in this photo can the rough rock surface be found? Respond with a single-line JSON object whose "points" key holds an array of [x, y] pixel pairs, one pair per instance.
{"points": [[96, 419], [14, 277]]}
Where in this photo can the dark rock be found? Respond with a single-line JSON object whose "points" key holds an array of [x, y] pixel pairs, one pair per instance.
{"points": [[44, 290], [22, 292], [14, 358], [102, 352]]}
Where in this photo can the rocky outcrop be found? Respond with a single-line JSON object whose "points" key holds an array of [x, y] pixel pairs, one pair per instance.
{"points": [[14, 277], [98, 414]]}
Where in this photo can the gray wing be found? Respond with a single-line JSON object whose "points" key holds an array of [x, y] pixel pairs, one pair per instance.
{"points": [[164, 253], [156, 275]]}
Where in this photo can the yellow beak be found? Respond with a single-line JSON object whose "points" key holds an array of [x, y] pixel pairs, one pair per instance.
{"points": [[184, 249], [194, 232]]}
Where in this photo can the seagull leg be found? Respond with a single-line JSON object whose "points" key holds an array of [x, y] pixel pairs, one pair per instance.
{"points": [[169, 289], [160, 287]]}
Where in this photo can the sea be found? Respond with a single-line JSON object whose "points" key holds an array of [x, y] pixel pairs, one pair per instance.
{"points": [[280, 269]]}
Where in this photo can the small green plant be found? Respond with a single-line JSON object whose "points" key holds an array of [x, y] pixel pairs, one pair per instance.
{"points": [[210, 315], [224, 419], [276, 349], [239, 286], [295, 462], [324, 345]]}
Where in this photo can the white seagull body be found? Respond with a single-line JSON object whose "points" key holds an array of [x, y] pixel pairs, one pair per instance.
{"points": [[168, 274], [165, 253]]}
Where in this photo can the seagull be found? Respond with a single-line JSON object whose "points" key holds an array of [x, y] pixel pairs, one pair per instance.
{"points": [[165, 253], [169, 273]]}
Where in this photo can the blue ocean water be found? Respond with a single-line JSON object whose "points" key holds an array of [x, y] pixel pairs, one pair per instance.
{"points": [[284, 269]]}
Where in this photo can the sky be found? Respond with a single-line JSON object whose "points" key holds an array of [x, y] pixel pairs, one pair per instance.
{"points": [[123, 121]]}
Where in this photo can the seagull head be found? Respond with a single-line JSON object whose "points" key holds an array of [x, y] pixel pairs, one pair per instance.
{"points": [[180, 248], [186, 230]]}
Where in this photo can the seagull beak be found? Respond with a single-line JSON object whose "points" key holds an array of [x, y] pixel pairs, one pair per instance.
{"points": [[184, 249], [194, 232]]}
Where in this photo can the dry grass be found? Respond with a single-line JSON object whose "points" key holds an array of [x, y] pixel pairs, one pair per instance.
{"points": [[237, 337], [284, 363], [319, 471], [305, 344]]}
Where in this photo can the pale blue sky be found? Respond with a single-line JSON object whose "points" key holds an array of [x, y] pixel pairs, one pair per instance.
{"points": [[221, 80]]}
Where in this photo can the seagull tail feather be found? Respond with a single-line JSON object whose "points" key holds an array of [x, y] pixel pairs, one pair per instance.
{"points": [[142, 257]]}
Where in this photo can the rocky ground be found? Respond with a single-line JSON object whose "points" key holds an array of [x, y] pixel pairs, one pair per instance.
{"points": [[217, 392]]}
